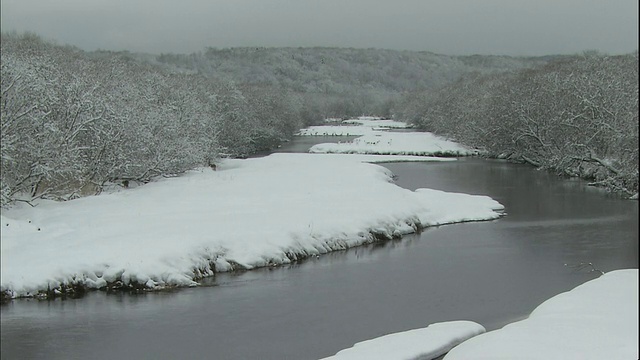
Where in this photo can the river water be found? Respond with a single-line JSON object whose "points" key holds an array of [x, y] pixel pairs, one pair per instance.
{"points": [[490, 272]]}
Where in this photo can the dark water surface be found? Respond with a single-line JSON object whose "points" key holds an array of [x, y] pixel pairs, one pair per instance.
{"points": [[489, 272]]}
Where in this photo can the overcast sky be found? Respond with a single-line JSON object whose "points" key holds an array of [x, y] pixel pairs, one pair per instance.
{"points": [[453, 27]]}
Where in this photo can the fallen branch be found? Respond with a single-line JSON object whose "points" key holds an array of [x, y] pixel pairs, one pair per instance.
{"points": [[582, 265], [530, 161], [598, 161]]}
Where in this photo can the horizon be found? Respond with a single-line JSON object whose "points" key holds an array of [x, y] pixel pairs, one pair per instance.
{"points": [[455, 28], [54, 41]]}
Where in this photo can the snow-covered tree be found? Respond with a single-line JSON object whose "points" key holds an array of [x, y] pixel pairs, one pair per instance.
{"points": [[577, 116]]}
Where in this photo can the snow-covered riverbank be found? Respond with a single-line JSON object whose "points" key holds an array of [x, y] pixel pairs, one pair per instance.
{"points": [[396, 143], [596, 320], [249, 213], [425, 343], [353, 127], [374, 138]]}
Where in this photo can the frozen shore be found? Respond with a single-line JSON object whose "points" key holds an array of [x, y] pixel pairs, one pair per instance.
{"points": [[596, 320], [353, 127], [376, 139], [396, 143], [250, 213], [425, 343]]}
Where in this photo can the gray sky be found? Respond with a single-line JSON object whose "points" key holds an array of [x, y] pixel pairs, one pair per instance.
{"points": [[454, 27]]}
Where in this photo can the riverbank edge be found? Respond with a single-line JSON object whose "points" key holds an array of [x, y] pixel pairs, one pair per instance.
{"points": [[610, 184], [79, 285], [618, 192]]}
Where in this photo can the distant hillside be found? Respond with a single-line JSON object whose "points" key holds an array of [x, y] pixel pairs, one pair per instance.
{"points": [[351, 81], [337, 70]]}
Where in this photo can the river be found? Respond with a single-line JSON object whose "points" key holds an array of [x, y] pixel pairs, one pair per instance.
{"points": [[490, 272]]}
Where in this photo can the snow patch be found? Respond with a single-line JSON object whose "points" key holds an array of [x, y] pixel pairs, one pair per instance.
{"points": [[426, 343], [353, 127], [596, 320], [340, 130], [378, 123], [394, 143]]}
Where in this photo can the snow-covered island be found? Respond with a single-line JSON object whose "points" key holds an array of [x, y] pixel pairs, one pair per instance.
{"points": [[375, 138], [378, 123], [353, 127], [396, 143], [596, 320], [250, 213]]}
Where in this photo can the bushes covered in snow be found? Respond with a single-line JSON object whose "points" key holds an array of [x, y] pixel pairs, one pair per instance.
{"points": [[577, 116], [74, 122]]}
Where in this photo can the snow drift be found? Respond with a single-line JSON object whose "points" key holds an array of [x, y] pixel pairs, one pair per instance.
{"points": [[250, 213]]}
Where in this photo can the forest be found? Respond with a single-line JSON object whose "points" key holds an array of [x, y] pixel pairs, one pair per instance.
{"points": [[74, 122], [576, 116], [340, 82]]}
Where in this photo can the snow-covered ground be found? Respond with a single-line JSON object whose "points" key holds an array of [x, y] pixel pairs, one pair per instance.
{"points": [[426, 343], [377, 123], [353, 127], [377, 159], [249, 213], [596, 320], [375, 139], [396, 143], [335, 130]]}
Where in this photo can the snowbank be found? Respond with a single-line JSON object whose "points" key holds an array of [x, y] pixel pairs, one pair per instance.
{"points": [[426, 343], [378, 123], [378, 159], [340, 130], [394, 143], [596, 320], [353, 127], [249, 213]]}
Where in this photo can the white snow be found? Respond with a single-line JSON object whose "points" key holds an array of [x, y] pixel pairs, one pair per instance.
{"points": [[353, 127], [396, 143], [376, 159], [249, 213], [378, 123], [425, 343], [375, 139], [596, 320], [340, 130]]}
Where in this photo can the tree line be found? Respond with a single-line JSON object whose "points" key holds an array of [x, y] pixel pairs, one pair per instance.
{"points": [[73, 122], [339, 82], [577, 116]]}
